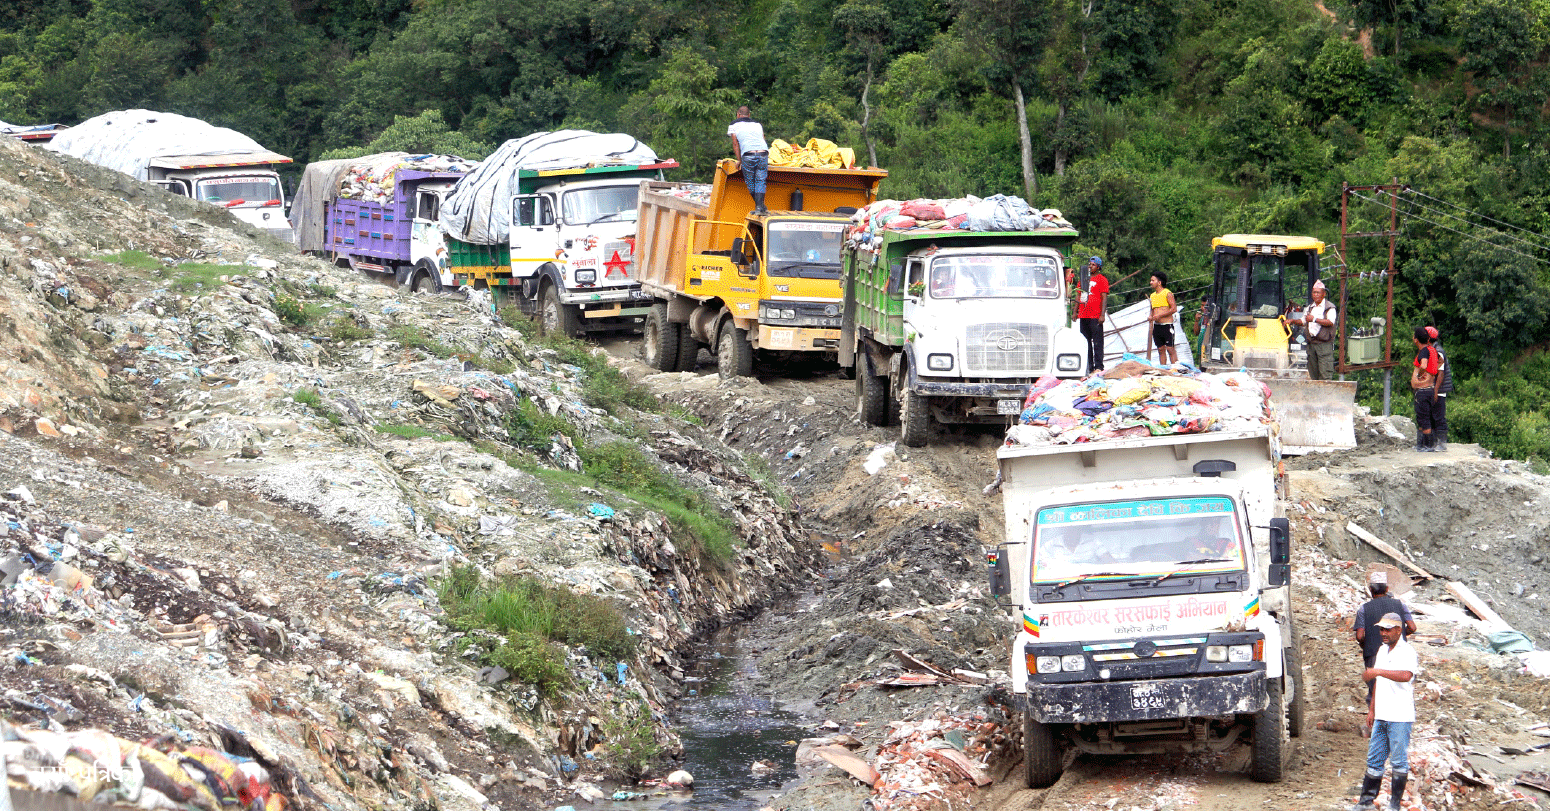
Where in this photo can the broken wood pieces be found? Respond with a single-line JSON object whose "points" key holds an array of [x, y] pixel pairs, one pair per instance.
{"points": [[848, 762], [1478, 606], [1380, 545]]}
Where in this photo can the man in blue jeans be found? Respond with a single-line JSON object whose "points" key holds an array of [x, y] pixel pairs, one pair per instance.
{"points": [[753, 153], [1390, 715]]}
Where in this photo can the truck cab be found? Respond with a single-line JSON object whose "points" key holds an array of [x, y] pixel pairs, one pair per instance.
{"points": [[427, 242], [785, 271], [250, 190], [953, 326]]}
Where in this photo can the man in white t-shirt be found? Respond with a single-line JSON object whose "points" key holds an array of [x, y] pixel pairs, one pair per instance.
{"points": [[1320, 320], [1390, 715], [753, 153]]}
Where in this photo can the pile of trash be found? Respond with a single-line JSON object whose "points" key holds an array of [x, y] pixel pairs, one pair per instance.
{"points": [[372, 178], [697, 193], [94, 765], [925, 763], [816, 154], [995, 213], [1136, 399]]}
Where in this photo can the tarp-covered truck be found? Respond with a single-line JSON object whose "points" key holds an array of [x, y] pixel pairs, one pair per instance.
{"points": [[741, 283], [187, 157], [1149, 575], [379, 214], [548, 222], [950, 325]]}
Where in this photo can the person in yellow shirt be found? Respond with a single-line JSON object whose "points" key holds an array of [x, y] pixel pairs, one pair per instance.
{"points": [[1163, 308]]}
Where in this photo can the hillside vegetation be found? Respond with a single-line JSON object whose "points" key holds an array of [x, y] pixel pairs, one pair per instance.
{"points": [[1153, 124]]}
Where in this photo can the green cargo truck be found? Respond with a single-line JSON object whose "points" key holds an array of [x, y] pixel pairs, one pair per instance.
{"points": [[952, 326]]}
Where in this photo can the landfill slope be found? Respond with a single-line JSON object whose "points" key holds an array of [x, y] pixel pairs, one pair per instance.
{"points": [[235, 480], [906, 530]]}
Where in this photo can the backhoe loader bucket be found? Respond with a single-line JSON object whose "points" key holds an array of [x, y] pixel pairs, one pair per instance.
{"points": [[1316, 415]]}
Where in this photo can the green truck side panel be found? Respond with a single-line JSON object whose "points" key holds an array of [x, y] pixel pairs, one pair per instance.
{"points": [[462, 254], [880, 310]]}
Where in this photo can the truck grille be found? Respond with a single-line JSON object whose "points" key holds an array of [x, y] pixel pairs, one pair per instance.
{"points": [[613, 254], [1006, 348], [1164, 657]]}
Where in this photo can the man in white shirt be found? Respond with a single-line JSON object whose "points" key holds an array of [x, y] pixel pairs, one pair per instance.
{"points": [[1390, 715], [753, 153], [1320, 321]]}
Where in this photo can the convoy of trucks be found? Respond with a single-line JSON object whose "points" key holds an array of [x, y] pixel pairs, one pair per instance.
{"points": [[187, 157], [1174, 631], [742, 283], [952, 326]]}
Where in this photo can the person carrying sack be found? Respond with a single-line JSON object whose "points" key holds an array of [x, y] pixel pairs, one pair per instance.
{"points": [[1319, 322]]}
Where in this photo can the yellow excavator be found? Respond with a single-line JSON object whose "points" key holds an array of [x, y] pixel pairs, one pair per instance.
{"points": [[1257, 281]]}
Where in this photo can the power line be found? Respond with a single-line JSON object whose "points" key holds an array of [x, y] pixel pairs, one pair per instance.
{"points": [[1441, 213], [1476, 238], [1475, 213]]}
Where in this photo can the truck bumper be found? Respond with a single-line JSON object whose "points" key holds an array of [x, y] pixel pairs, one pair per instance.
{"points": [[1148, 700], [627, 296], [799, 339]]}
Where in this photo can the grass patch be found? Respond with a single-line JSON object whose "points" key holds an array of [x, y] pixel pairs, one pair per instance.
{"points": [[512, 316], [343, 329], [311, 399], [602, 385], [197, 277], [139, 260], [759, 470], [414, 432], [414, 338], [622, 466], [291, 310], [682, 412], [530, 426], [631, 740], [531, 616]]}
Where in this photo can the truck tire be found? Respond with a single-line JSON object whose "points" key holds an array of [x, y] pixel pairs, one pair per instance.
{"points": [[1298, 687], [688, 350], [554, 316], [1042, 759], [1270, 744], [734, 355], [915, 427], [662, 340], [873, 393], [426, 283]]}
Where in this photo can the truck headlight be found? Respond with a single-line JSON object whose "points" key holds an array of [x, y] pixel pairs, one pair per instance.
{"points": [[1240, 653], [1047, 664], [1068, 363], [1073, 661], [831, 310], [586, 276], [939, 363], [788, 313], [1216, 653]]}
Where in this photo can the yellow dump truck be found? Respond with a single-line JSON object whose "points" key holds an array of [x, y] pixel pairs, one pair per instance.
{"points": [[723, 277]]}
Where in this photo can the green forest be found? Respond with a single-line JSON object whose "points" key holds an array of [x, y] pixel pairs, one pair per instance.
{"points": [[1154, 125]]}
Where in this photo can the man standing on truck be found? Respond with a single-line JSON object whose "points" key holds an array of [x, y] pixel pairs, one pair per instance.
{"points": [[1163, 308], [753, 153], [1365, 624], [1089, 312], [1319, 324], [1391, 714]]}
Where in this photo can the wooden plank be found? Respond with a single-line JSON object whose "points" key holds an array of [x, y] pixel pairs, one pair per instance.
{"points": [[1386, 549], [1478, 606], [841, 757]]}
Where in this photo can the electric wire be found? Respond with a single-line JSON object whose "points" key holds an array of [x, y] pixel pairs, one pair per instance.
{"points": [[1475, 213], [1466, 235], [1441, 213]]}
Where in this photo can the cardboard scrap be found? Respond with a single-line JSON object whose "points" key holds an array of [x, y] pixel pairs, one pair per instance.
{"points": [[842, 758]]}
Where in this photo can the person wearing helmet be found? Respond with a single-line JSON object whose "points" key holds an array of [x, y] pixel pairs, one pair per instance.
{"points": [[1089, 312]]}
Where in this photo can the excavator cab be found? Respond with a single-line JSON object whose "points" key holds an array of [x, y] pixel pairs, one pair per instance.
{"points": [[1259, 282]]}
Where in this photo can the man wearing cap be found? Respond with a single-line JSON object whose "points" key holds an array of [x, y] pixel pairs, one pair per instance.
{"points": [[1367, 615], [1432, 381], [1319, 322], [1089, 312], [1391, 714]]}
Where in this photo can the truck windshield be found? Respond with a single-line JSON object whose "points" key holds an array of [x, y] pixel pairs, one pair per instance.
{"points": [[601, 204], [809, 250], [989, 276], [1151, 539], [250, 191]]}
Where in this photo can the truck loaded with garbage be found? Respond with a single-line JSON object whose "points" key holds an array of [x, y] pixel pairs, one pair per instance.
{"points": [[548, 222], [187, 157], [721, 276], [952, 308], [1149, 569], [380, 214]]}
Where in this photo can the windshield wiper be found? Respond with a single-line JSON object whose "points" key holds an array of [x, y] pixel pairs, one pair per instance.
{"points": [[605, 218], [1089, 576], [1187, 563]]}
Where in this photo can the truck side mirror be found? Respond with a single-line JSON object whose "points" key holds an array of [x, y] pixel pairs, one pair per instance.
{"points": [[1280, 552], [895, 279], [1000, 572], [737, 252]]}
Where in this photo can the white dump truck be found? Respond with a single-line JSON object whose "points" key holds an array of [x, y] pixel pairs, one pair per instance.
{"points": [[1149, 576], [187, 157]]}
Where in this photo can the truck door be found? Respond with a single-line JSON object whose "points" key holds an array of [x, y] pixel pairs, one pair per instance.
{"points": [[533, 234]]}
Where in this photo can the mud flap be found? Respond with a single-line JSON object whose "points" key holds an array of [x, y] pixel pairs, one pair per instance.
{"points": [[1148, 700], [1315, 414]]}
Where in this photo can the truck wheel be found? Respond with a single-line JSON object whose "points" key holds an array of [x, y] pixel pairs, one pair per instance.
{"points": [[873, 392], [1298, 687], [1270, 745], [734, 355], [662, 340], [426, 283], [1042, 757], [554, 316], [688, 350], [914, 419]]}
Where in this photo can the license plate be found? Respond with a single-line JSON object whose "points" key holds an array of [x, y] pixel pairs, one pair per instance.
{"points": [[1009, 406], [639, 294], [1145, 698]]}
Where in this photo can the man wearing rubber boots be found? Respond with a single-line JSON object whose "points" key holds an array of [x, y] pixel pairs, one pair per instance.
{"points": [[1390, 715]]}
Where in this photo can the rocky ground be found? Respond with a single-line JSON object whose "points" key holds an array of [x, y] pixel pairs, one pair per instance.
{"points": [[237, 483]]}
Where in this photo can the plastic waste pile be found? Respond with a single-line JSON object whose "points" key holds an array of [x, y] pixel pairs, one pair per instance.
{"points": [[1136, 399], [815, 154], [698, 193], [372, 179], [95, 766], [995, 213]]}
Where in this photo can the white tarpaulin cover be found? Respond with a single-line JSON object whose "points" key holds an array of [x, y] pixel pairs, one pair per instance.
{"points": [[1129, 330], [478, 209], [128, 140]]}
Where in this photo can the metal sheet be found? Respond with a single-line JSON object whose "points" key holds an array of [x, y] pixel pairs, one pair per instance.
{"points": [[1314, 414]]}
